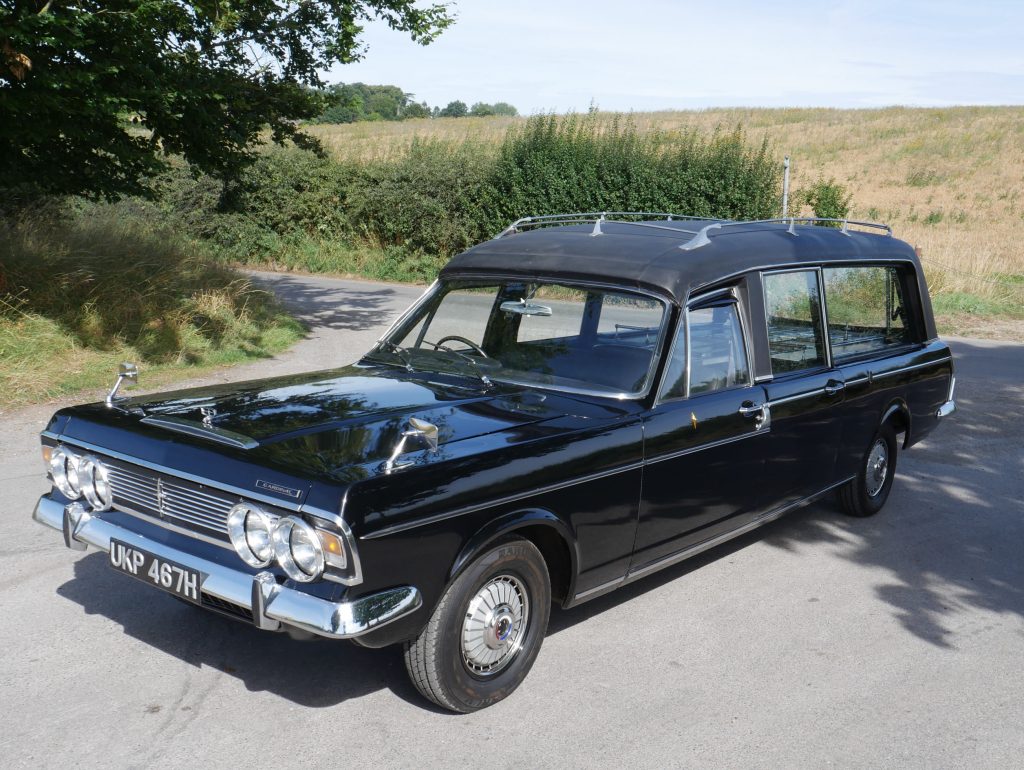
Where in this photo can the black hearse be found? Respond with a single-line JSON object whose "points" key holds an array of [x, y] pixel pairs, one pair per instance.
{"points": [[575, 404]]}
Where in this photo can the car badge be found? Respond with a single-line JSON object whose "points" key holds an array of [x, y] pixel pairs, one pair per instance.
{"points": [[161, 498], [278, 489], [693, 420], [208, 414]]}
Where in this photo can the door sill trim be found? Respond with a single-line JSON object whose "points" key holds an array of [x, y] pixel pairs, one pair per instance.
{"points": [[697, 548]]}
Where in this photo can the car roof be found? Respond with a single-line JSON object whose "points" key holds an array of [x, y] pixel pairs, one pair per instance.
{"points": [[649, 256]]}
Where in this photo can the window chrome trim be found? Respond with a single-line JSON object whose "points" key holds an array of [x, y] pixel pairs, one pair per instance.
{"points": [[809, 268], [728, 292], [808, 265], [823, 313], [409, 310]]}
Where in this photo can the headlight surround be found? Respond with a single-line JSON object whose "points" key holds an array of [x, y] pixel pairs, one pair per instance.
{"points": [[94, 482], [251, 531], [64, 472], [298, 549]]}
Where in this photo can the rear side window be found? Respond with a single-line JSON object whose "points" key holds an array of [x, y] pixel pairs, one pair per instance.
{"points": [[792, 302], [866, 311], [717, 355]]}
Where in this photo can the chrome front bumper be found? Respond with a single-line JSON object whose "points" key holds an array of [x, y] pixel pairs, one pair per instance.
{"points": [[272, 605]]}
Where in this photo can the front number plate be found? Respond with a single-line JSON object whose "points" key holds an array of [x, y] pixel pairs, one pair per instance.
{"points": [[183, 582]]}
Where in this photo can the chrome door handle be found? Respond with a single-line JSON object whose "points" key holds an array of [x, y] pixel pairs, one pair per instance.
{"points": [[761, 413], [834, 386]]}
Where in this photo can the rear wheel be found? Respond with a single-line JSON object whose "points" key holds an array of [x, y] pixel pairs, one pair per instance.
{"points": [[866, 494], [486, 632]]}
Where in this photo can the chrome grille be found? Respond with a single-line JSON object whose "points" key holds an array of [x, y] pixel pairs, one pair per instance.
{"points": [[171, 499]]}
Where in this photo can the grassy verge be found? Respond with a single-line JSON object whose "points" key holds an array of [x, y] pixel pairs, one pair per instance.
{"points": [[77, 296]]}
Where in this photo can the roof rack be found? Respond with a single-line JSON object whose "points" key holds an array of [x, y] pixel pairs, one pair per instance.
{"points": [[596, 218], [702, 239]]}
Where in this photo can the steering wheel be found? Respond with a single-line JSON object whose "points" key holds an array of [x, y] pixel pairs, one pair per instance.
{"points": [[439, 345]]}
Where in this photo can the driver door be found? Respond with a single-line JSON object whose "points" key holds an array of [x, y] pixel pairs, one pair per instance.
{"points": [[705, 439]]}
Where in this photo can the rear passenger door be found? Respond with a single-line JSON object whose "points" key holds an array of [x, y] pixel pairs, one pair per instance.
{"points": [[704, 440], [874, 333], [805, 391]]}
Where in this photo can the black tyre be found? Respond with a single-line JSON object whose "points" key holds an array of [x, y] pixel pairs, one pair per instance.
{"points": [[486, 632], [866, 494]]}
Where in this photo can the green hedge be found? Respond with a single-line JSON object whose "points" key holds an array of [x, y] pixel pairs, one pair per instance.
{"points": [[296, 209]]}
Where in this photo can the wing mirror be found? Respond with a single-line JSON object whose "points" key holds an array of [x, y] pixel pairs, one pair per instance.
{"points": [[126, 372], [418, 429], [522, 307]]}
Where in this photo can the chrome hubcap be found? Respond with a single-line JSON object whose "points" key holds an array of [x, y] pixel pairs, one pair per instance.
{"points": [[878, 466], [495, 625]]}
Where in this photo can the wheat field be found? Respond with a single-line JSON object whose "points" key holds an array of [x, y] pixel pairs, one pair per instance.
{"points": [[950, 181]]}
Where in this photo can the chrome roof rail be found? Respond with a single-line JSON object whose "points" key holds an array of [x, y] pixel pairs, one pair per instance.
{"points": [[702, 239], [596, 218]]}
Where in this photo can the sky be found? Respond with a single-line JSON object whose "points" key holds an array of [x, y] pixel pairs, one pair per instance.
{"points": [[656, 55]]}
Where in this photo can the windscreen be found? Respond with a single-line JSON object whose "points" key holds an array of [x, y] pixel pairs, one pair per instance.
{"points": [[547, 334]]}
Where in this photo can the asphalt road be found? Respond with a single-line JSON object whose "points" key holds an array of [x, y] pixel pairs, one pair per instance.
{"points": [[818, 640]]}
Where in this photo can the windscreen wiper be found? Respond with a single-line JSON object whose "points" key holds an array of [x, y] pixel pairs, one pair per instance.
{"points": [[399, 351], [476, 365]]}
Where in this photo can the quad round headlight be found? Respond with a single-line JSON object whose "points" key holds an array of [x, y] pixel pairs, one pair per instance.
{"points": [[298, 549], [251, 530], [64, 471], [94, 482]]}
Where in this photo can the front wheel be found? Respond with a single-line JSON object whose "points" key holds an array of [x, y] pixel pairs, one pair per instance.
{"points": [[486, 632], [866, 494]]}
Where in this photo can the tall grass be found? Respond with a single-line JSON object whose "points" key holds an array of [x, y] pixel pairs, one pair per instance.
{"points": [[78, 295]]}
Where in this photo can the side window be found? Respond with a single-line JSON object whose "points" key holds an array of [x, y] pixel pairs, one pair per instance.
{"points": [[793, 311], [718, 357], [866, 312]]}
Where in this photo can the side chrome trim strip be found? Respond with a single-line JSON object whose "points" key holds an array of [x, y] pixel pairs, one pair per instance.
{"points": [[551, 488], [500, 501], [796, 397], [247, 493], [710, 445], [903, 369], [599, 589], [693, 550]]}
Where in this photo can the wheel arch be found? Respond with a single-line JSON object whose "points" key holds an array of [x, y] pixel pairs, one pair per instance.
{"points": [[553, 537], [898, 413]]}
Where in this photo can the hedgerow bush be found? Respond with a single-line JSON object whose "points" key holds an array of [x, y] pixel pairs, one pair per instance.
{"points": [[297, 209], [579, 163], [430, 200]]}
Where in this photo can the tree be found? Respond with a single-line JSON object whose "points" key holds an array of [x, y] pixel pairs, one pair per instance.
{"points": [[96, 94], [455, 109], [504, 108], [416, 110]]}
